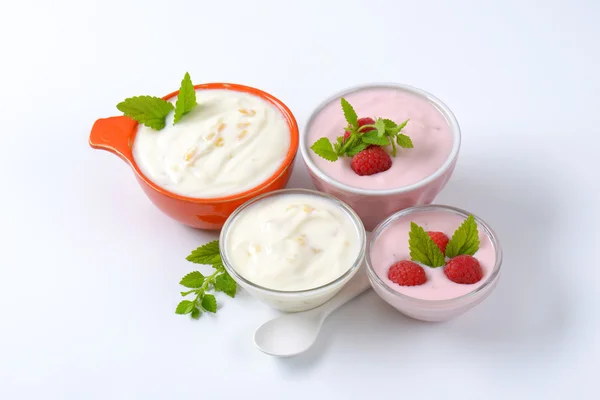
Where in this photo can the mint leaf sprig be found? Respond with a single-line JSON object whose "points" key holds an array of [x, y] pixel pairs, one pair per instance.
{"points": [[423, 249], [384, 132], [199, 284], [465, 239], [148, 110], [153, 111], [186, 99]]}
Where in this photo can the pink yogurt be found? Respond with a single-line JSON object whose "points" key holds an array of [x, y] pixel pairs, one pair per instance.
{"points": [[439, 298], [417, 175], [427, 127]]}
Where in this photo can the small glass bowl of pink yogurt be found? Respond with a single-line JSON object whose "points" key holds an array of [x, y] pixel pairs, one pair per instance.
{"points": [[439, 298], [417, 174]]}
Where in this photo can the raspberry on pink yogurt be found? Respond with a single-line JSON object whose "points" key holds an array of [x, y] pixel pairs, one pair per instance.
{"points": [[439, 298]]}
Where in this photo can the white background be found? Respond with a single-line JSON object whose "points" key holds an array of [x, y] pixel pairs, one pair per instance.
{"points": [[90, 269]]}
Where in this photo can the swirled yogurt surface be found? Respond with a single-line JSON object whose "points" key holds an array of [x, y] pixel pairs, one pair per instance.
{"points": [[292, 242], [229, 143], [427, 127]]}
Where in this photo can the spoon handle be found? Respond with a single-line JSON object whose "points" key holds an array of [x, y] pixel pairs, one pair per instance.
{"points": [[358, 284]]}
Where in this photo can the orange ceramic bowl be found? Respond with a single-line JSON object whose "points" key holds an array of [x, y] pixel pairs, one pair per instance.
{"points": [[117, 134]]}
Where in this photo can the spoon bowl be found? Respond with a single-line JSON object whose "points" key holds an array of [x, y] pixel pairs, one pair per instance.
{"points": [[288, 335], [292, 334]]}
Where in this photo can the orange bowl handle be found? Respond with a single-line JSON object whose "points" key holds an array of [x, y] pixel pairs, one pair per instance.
{"points": [[114, 134]]}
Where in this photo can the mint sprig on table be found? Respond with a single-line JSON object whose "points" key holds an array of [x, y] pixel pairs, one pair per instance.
{"points": [[423, 249], [199, 284], [385, 132], [153, 111]]}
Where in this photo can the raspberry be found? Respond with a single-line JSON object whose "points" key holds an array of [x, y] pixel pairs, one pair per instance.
{"points": [[361, 122], [463, 269], [407, 273], [370, 161], [440, 239], [366, 121]]}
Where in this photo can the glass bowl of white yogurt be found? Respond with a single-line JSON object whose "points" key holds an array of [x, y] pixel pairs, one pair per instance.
{"points": [[294, 249]]}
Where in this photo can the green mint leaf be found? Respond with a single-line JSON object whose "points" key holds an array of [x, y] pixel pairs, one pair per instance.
{"points": [[389, 124], [225, 283], [349, 113], [422, 248], [148, 110], [219, 267], [192, 280], [349, 143], [185, 307], [337, 146], [208, 254], [357, 148], [372, 137], [380, 126], [465, 239], [196, 313], [402, 125], [404, 141], [186, 99], [393, 130], [393, 147], [324, 149], [209, 303]]}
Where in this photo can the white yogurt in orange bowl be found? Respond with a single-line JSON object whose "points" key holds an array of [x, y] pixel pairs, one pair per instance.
{"points": [[381, 148], [232, 143]]}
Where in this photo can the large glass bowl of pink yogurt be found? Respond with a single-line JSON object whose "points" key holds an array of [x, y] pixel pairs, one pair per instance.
{"points": [[439, 298], [416, 176]]}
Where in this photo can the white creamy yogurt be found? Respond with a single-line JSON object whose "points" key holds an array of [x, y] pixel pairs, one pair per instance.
{"points": [[229, 143], [292, 242]]}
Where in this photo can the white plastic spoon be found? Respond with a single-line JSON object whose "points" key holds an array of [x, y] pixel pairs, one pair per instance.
{"points": [[292, 334]]}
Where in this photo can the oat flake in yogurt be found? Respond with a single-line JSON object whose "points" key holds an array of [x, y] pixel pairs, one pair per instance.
{"points": [[229, 143]]}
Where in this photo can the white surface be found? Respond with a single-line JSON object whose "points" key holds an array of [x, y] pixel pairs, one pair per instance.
{"points": [[89, 268]]}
